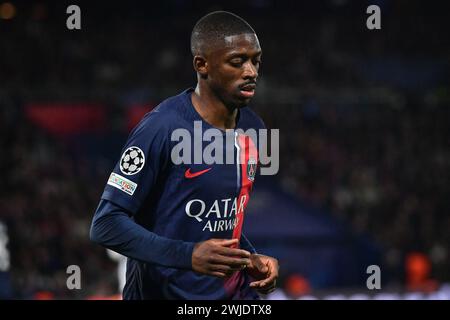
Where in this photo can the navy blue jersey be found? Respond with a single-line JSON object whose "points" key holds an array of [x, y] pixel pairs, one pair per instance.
{"points": [[175, 205]]}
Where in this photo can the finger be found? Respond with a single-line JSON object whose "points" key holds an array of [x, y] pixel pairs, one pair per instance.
{"points": [[271, 279], [226, 242], [230, 261], [256, 284], [259, 285], [231, 252], [225, 268], [268, 286], [218, 274]]}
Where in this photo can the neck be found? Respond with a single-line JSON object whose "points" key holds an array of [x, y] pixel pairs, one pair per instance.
{"points": [[212, 109]]}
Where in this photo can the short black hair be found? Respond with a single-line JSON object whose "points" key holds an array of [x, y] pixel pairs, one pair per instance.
{"points": [[216, 26]]}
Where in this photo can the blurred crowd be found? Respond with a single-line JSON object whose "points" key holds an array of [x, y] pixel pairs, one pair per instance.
{"points": [[385, 171], [363, 118], [47, 207]]}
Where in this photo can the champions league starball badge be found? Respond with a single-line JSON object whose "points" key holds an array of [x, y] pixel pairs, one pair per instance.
{"points": [[132, 161]]}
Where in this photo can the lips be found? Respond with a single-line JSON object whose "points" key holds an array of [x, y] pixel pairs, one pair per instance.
{"points": [[248, 90], [248, 87]]}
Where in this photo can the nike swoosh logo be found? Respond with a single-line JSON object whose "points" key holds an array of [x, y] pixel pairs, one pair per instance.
{"points": [[188, 174]]}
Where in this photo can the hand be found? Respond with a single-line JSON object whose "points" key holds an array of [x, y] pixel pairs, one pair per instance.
{"points": [[264, 270], [215, 257]]}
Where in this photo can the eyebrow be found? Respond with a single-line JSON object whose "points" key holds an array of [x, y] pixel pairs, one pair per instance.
{"points": [[242, 55]]}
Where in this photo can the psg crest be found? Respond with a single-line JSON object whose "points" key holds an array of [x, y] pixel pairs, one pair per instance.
{"points": [[251, 169], [132, 161]]}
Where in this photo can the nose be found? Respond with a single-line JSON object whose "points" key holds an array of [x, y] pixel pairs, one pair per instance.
{"points": [[250, 71]]}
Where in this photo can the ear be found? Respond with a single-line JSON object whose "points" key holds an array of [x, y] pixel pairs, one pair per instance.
{"points": [[201, 66]]}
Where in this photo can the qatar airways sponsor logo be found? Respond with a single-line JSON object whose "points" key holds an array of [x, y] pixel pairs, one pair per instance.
{"points": [[220, 146], [224, 211]]}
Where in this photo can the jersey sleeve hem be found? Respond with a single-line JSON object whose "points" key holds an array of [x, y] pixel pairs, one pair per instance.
{"points": [[132, 206]]}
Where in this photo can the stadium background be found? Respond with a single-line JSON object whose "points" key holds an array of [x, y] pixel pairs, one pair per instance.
{"points": [[364, 138]]}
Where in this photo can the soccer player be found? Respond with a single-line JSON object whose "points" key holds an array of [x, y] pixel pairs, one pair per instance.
{"points": [[180, 224]]}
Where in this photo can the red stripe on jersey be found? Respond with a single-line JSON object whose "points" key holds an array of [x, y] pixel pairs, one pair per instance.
{"points": [[248, 151]]}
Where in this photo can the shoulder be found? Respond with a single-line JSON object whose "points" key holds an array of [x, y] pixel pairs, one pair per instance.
{"points": [[163, 118], [250, 120]]}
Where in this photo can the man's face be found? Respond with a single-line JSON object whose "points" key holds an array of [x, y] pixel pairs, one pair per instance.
{"points": [[233, 69]]}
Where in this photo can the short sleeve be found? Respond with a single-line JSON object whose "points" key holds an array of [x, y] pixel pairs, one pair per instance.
{"points": [[143, 158]]}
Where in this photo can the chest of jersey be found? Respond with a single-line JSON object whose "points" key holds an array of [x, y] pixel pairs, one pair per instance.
{"points": [[211, 197]]}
